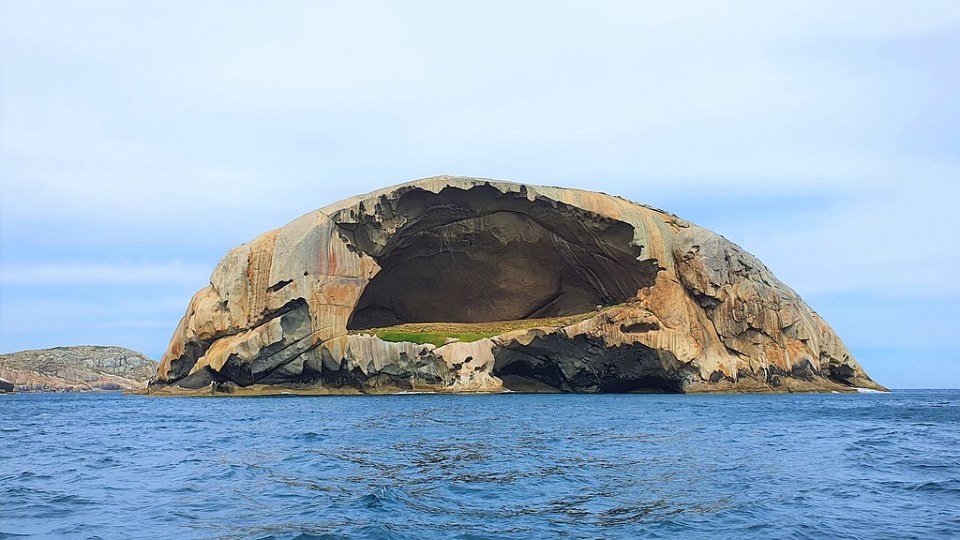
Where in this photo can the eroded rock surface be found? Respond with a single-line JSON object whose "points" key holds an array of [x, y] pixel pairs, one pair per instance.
{"points": [[674, 307], [76, 369]]}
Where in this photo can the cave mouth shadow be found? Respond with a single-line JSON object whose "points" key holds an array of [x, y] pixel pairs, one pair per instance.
{"points": [[556, 364], [481, 255]]}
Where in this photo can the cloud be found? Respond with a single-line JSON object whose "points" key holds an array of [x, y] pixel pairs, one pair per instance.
{"points": [[139, 318], [887, 239], [240, 110], [72, 273]]}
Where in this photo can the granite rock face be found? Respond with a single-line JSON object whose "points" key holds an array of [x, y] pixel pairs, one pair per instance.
{"points": [[76, 369], [671, 307]]}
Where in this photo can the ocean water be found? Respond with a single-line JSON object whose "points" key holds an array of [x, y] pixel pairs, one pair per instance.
{"points": [[492, 466]]}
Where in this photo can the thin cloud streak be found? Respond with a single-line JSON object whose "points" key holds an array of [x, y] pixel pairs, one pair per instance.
{"points": [[71, 273]]}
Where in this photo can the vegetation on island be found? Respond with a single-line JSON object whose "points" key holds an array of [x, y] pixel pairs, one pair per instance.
{"points": [[439, 333]]}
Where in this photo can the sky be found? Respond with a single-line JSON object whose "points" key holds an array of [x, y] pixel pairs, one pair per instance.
{"points": [[139, 141]]}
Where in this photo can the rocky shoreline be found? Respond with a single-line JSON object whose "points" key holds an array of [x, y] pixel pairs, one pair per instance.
{"points": [[318, 390]]}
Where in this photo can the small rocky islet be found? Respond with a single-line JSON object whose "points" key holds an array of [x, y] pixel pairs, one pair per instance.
{"points": [[459, 284], [84, 368]]}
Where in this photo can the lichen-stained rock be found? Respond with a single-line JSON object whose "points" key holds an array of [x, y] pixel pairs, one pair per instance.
{"points": [[671, 307], [83, 368]]}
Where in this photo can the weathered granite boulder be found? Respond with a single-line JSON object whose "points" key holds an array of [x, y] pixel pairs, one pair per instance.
{"points": [[6, 386], [618, 297], [77, 369]]}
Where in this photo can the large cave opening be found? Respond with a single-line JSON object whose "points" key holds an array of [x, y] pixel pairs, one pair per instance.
{"points": [[480, 255]]}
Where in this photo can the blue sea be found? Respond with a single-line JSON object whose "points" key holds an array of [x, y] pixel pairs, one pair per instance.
{"points": [[482, 466]]}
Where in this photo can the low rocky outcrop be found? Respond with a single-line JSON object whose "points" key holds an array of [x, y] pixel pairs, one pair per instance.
{"points": [[601, 294], [5, 386], [76, 369]]}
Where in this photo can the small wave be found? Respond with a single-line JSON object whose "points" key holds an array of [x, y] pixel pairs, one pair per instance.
{"points": [[379, 498], [950, 485], [28, 475], [943, 486], [310, 536], [68, 499], [311, 436]]}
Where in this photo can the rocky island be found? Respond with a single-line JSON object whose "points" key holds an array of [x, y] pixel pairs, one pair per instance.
{"points": [[456, 284], [83, 368]]}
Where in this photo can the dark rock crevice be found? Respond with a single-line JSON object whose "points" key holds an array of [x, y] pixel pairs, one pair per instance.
{"points": [[839, 373], [280, 284], [639, 328], [181, 366]]}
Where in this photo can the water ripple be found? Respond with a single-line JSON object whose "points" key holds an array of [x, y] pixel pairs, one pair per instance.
{"points": [[470, 467]]}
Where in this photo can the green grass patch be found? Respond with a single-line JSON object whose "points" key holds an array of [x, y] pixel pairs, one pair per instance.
{"points": [[436, 338], [437, 333]]}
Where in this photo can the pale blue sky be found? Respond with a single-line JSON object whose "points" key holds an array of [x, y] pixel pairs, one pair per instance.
{"points": [[141, 140]]}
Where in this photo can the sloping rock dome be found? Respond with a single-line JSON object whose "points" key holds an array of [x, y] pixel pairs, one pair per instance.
{"points": [[468, 284]]}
